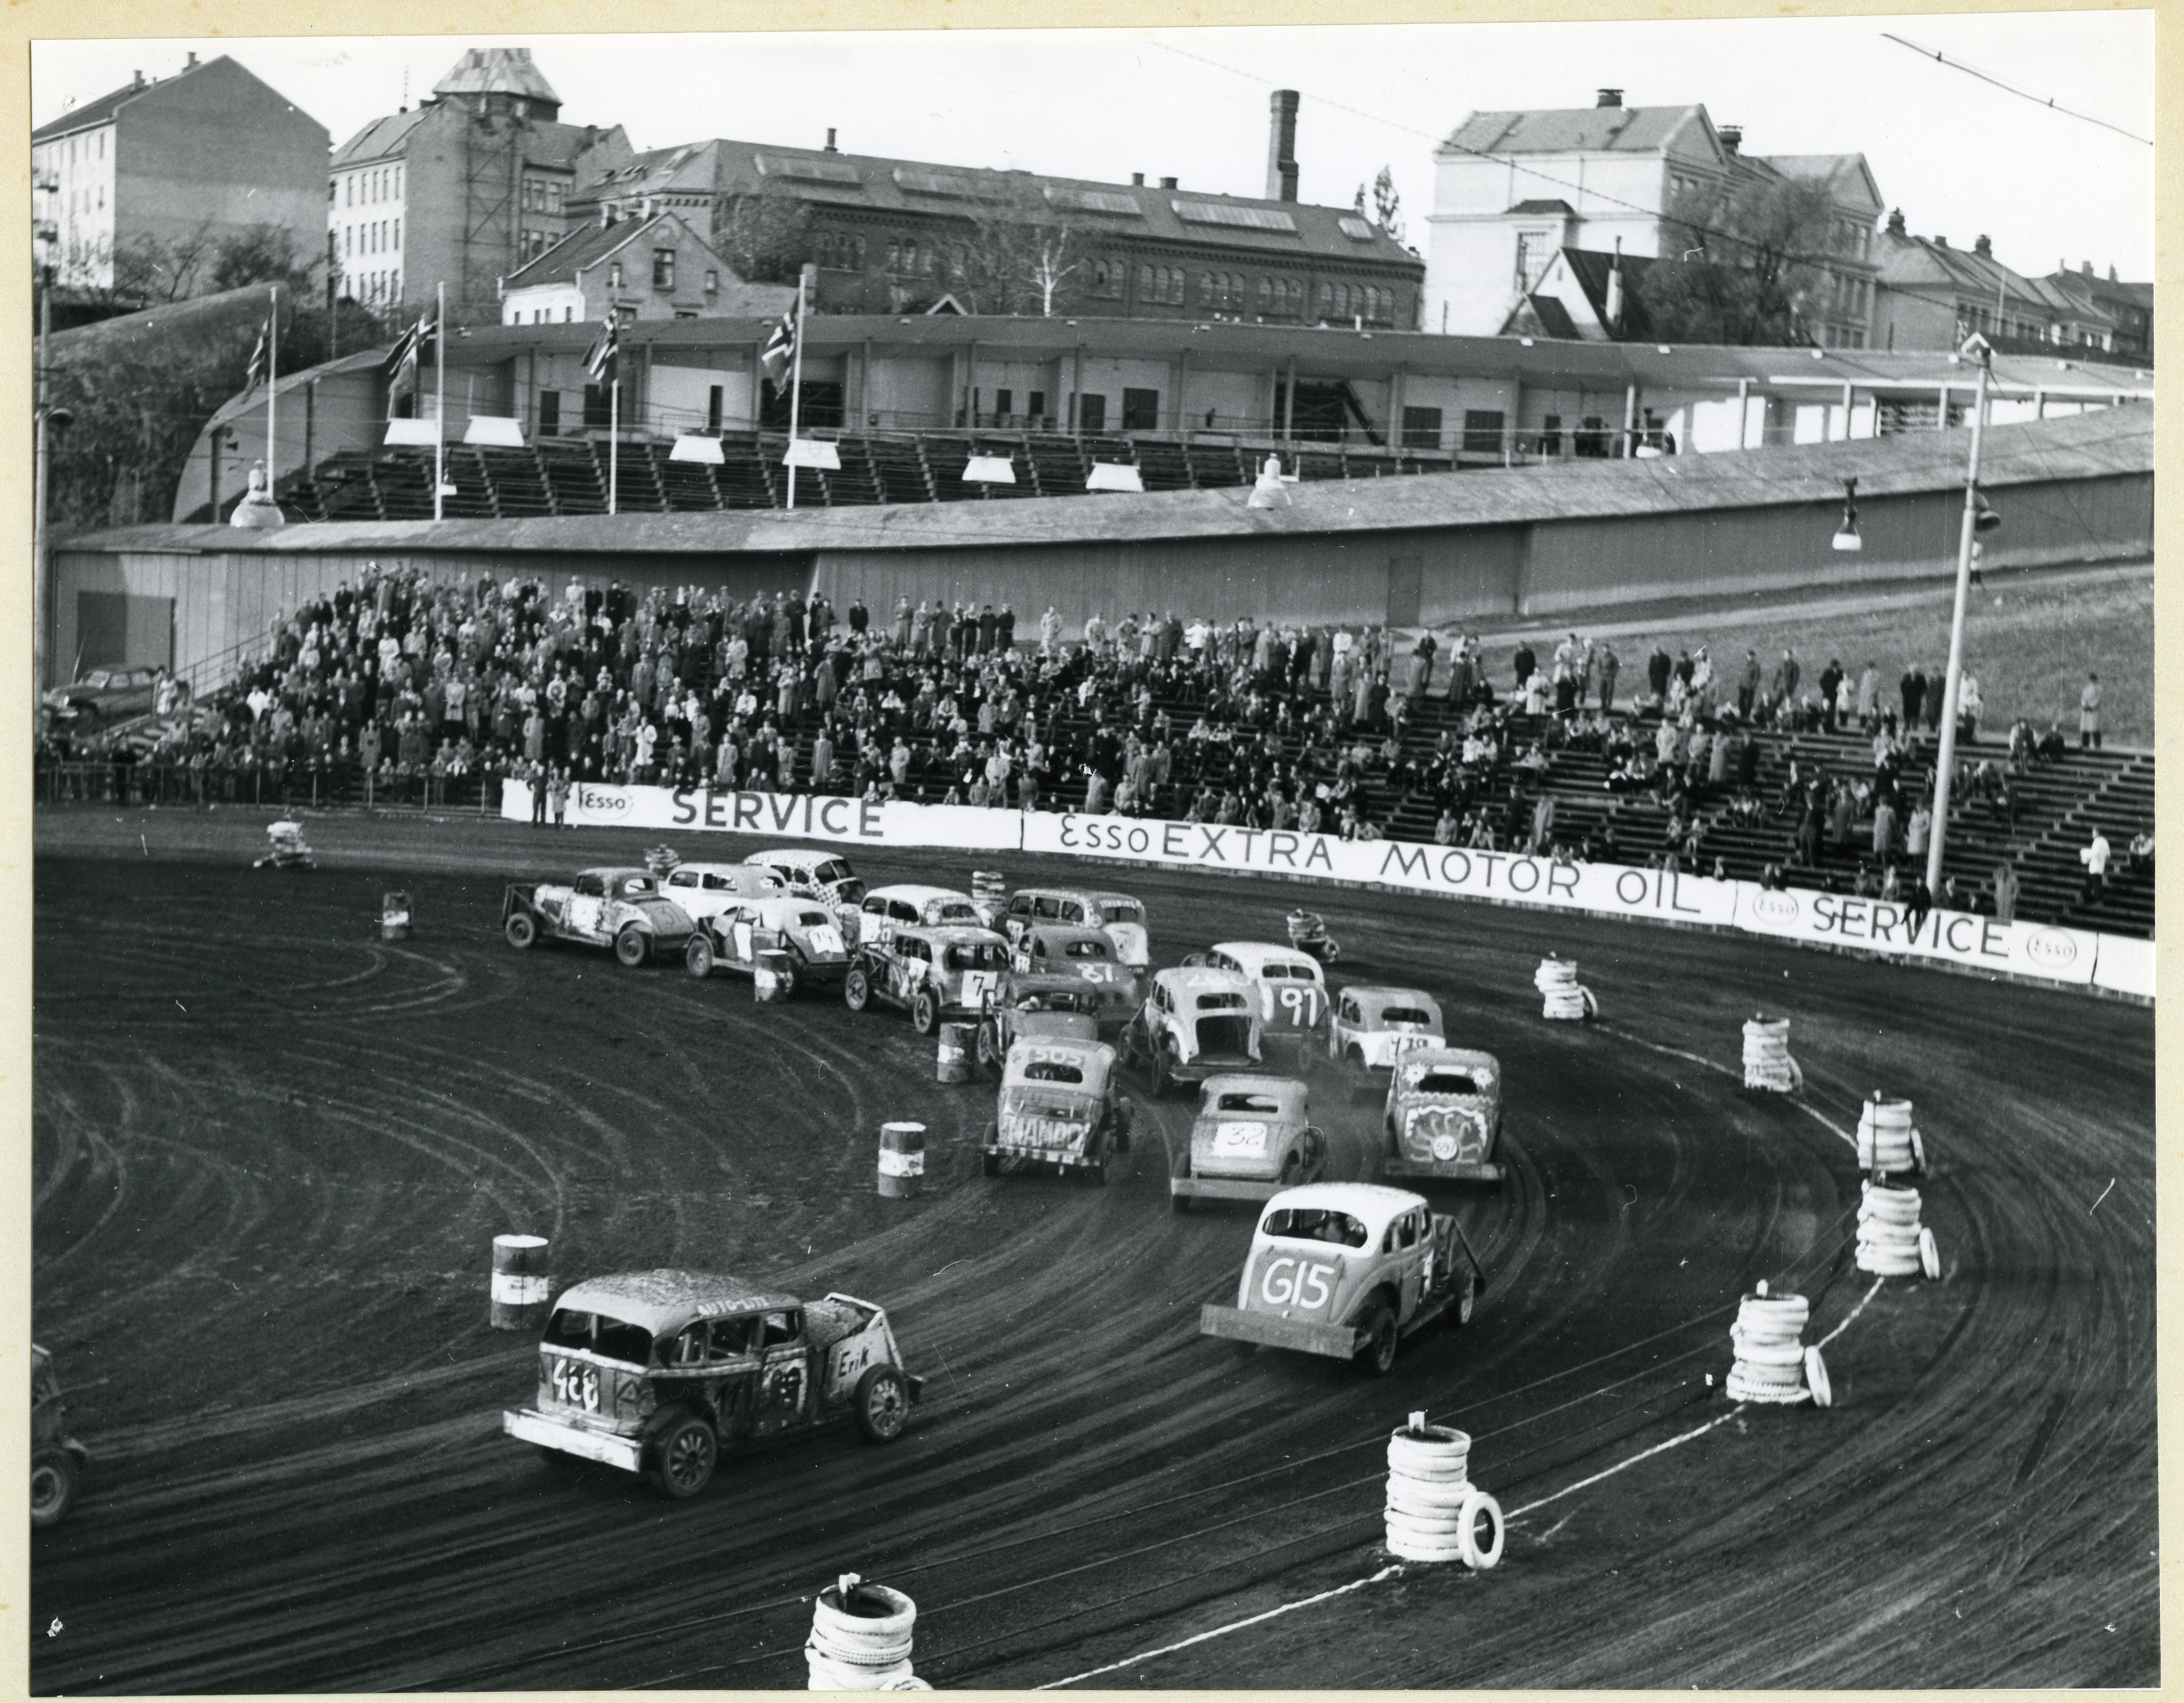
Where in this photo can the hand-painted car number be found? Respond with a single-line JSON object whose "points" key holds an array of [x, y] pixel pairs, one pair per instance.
{"points": [[1306, 1287], [578, 1385]]}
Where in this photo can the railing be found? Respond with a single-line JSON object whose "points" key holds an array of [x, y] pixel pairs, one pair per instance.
{"points": [[200, 785]]}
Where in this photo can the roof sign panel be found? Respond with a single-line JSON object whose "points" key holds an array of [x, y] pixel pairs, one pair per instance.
{"points": [[932, 182], [1094, 201], [814, 171], [1355, 229], [1226, 213]]}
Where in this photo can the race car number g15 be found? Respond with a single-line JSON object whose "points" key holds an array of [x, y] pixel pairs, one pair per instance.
{"points": [[1304, 1284]]}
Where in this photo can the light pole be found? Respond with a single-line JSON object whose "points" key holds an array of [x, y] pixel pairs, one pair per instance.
{"points": [[41, 597], [1976, 517]]}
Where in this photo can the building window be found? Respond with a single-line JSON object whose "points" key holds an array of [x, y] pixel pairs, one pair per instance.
{"points": [[713, 408], [1535, 248], [613, 275], [663, 268], [1140, 410], [712, 283], [1421, 428], [1092, 414], [596, 404], [1482, 431], [549, 413]]}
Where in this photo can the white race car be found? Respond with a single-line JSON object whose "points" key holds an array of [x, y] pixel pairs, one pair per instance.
{"points": [[707, 889]]}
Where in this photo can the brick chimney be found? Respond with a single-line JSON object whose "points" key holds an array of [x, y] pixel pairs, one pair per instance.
{"points": [[1983, 247], [1167, 183], [1281, 146], [138, 81], [1895, 221], [2086, 267], [1137, 180], [1608, 97], [1941, 242], [1732, 138], [830, 140], [2112, 276]]}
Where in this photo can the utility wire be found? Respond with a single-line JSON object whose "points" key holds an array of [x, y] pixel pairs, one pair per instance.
{"points": [[2047, 101]]}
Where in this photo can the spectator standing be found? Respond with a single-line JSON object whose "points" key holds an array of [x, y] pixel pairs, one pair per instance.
{"points": [[1937, 692], [1657, 672], [1912, 686], [2089, 714], [1869, 695], [1830, 678], [2005, 892], [1747, 685], [1884, 830], [2095, 857], [1609, 665]]}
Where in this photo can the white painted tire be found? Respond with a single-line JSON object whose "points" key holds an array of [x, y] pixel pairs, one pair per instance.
{"points": [[1482, 1508], [1769, 1354], [1878, 1264], [1414, 1550], [1917, 1153], [1443, 1452], [826, 1675], [1790, 1309], [1930, 1255], [1816, 1378], [1890, 1206], [858, 1628], [1425, 1501]]}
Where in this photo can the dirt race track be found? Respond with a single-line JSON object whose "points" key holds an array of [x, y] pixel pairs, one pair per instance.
{"points": [[270, 1152]]}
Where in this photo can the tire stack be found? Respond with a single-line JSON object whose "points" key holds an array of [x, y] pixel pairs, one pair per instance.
{"points": [[1892, 1243], [860, 1639], [1773, 1364], [1566, 1001], [1767, 1062], [1435, 1513], [1888, 1144]]}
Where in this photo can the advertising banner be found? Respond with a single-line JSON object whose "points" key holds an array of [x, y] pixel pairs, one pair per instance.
{"points": [[777, 815], [2126, 965], [1874, 925]]}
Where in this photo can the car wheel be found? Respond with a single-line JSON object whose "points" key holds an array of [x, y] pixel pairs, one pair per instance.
{"points": [[989, 1163], [685, 1455], [698, 957], [990, 1052], [924, 1012], [631, 947], [1123, 1119], [52, 1486], [882, 1402], [521, 930], [1097, 1166], [1292, 1170], [1315, 1156], [856, 988], [1379, 1324]]}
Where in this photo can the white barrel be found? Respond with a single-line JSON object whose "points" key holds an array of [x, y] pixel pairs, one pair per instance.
{"points": [[520, 1282], [952, 1063], [861, 1636], [394, 916], [1767, 1062], [902, 1160], [770, 976]]}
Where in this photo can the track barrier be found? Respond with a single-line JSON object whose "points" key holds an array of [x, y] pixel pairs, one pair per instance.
{"points": [[861, 1639], [952, 1061], [1892, 1242], [902, 1160], [520, 1282], [394, 916], [1889, 1143], [1773, 1364], [1767, 1062], [770, 975], [1567, 1001], [1435, 1513]]}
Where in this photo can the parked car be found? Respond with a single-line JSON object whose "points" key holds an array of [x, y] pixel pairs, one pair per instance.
{"points": [[1022, 1006], [1289, 986], [938, 974], [1060, 1103], [1253, 1136], [658, 1371], [707, 889], [105, 695], [57, 1459], [1347, 1269], [1196, 1023], [1118, 916], [1372, 1027], [1444, 1116], [811, 872], [929, 907], [802, 928], [621, 908]]}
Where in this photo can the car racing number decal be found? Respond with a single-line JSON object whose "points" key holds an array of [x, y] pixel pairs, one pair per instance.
{"points": [[1290, 1282], [1300, 1004], [576, 1385], [977, 984], [848, 1363], [1239, 1137], [826, 939]]}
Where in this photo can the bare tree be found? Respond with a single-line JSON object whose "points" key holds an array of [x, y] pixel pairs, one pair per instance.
{"points": [[1025, 255], [766, 237], [1741, 263]]}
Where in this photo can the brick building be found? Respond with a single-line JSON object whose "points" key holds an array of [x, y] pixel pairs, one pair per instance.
{"points": [[175, 162], [463, 190], [652, 268]]}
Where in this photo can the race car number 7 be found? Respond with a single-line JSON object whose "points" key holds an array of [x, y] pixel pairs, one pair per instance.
{"points": [[1307, 1287]]}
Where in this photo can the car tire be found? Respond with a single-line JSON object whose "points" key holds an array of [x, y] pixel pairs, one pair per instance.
{"points": [[924, 1011], [1124, 1119], [786, 976], [882, 1404], [989, 1050], [684, 1457], [989, 1163], [1292, 1170], [1378, 1356], [521, 930], [1163, 1071], [1178, 1204], [631, 948], [52, 1486], [698, 957], [856, 988]]}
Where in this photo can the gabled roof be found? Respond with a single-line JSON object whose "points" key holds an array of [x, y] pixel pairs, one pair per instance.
{"points": [[381, 137], [1843, 174], [497, 70], [1576, 130], [583, 249], [1906, 260], [1543, 316], [1590, 268], [103, 110], [546, 141]]}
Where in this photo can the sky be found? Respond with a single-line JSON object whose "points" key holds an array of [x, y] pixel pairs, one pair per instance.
{"points": [[1961, 157]]}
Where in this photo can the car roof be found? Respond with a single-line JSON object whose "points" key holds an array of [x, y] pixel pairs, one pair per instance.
{"points": [[1194, 975], [1068, 930], [1286, 1091], [1097, 1053], [1374, 996], [609, 871], [1098, 894], [704, 868], [951, 933], [1450, 1055], [917, 893], [1023, 981], [1255, 952], [666, 1299], [1372, 1204], [807, 857]]}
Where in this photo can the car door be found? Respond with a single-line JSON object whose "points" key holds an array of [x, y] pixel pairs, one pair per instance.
{"points": [[686, 888], [912, 965], [784, 1379], [1018, 918], [587, 904], [731, 1370], [1405, 1244]]}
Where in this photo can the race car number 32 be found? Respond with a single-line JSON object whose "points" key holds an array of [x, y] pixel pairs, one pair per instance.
{"points": [[1306, 1286]]}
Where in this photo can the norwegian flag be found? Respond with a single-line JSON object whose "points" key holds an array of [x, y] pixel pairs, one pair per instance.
{"points": [[258, 375], [415, 346], [601, 360], [780, 351]]}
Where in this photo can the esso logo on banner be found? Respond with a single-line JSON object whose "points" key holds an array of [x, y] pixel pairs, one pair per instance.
{"points": [[2051, 947], [599, 800], [1778, 908]]}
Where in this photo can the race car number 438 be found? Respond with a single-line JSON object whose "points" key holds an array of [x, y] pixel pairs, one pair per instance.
{"points": [[576, 1385], [1287, 1281]]}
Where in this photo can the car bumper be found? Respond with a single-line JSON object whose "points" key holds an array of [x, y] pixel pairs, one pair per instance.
{"points": [[1270, 1330], [1070, 1158], [1222, 1188], [1452, 1170], [531, 1426], [1198, 1068]]}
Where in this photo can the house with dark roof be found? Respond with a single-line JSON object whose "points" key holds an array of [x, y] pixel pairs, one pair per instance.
{"points": [[1585, 295], [156, 172], [648, 269], [464, 190], [1933, 295], [2129, 307], [1513, 191]]}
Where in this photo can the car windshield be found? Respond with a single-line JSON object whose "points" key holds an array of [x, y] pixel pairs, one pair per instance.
{"points": [[1405, 1014], [1085, 948], [610, 1337], [833, 870], [1220, 1002], [813, 919], [1443, 1080], [1265, 1105], [1051, 1071], [1121, 910], [977, 955], [1313, 1224], [636, 887], [951, 910]]}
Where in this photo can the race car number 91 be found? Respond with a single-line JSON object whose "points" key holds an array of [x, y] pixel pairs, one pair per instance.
{"points": [[1301, 1006], [1306, 1286]]}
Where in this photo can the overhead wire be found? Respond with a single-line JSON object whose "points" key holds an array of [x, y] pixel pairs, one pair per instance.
{"points": [[2047, 101]]}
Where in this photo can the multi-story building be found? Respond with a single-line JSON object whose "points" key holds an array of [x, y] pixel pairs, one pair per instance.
{"points": [[900, 236], [1512, 190], [1933, 295], [2129, 308], [648, 269], [463, 190], [155, 173]]}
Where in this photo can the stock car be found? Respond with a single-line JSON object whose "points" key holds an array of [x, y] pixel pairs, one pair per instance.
{"points": [[57, 1459], [1290, 985], [803, 928], [1345, 1270], [1061, 1103], [1054, 948], [938, 974], [1024, 1005], [1253, 1137], [104, 695], [707, 889], [657, 1371], [621, 908], [811, 873], [927, 907], [1372, 1027], [1444, 1116], [1118, 916], [1197, 1022]]}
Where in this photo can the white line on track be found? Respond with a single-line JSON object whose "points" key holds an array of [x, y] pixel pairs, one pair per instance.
{"points": [[1809, 1110], [1851, 1315], [1682, 1437]]}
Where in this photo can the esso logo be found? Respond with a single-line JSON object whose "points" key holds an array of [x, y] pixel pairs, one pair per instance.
{"points": [[1778, 908], [2051, 947], [1288, 1281], [589, 799]]}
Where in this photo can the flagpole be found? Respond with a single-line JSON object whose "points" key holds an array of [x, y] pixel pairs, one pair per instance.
{"points": [[439, 398], [614, 430], [796, 388], [272, 388]]}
